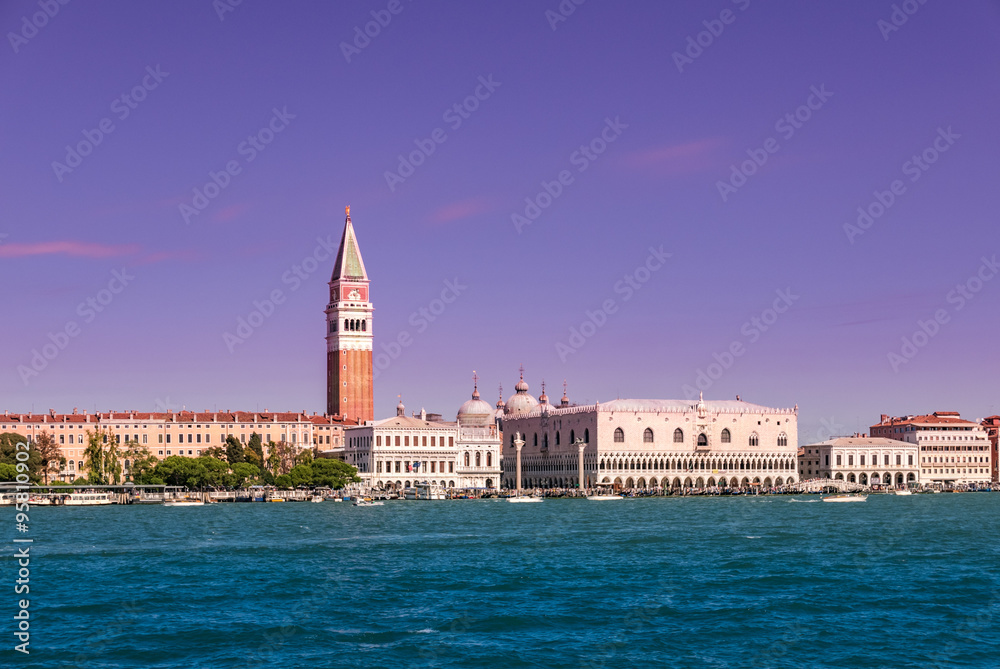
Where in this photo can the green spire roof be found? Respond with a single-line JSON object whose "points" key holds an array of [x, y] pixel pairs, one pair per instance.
{"points": [[349, 264]]}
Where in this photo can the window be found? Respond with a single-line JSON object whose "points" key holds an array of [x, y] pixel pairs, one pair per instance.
{"points": [[782, 439], [451, 467], [572, 436], [754, 440], [451, 441], [899, 459], [702, 439], [647, 436], [619, 435], [423, 441], [828, 460], [586, 435], [489, 459], [726, 437], [910, 459], [168, 438], [678, 436], [840, 460], [466, 459], [850, 460], [557, 437], [479, 461], [397, 440]]}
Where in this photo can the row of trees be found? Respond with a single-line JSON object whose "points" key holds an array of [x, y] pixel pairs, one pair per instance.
{"points": [[106, 462]]}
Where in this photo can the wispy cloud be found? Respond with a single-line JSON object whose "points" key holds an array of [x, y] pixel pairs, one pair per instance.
{"points": [[458, 210], [672, 159], [229, 213], [68, 248]]}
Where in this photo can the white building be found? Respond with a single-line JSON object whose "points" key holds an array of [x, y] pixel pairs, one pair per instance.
{"points": [[952, 450], [395, 453], [862, 460], [648, 443]]}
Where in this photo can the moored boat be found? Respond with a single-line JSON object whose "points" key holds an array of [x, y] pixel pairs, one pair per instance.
{"points": [[184, 502], [603, 497], [523, 500], [903, 492], [87, 499]]}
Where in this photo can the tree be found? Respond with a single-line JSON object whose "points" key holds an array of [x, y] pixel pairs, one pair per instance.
{"points": [[142, 463], [282, 455], [305, 457], [9, 451], [284, 481], [243, 474], [8, 472], [333, 473], [94, 457], [301, 475], [49, 455], [217, 452], [257, 447], [234, 450]]}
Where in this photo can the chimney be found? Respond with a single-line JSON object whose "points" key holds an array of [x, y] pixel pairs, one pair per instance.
{"points": [[885, 418]]}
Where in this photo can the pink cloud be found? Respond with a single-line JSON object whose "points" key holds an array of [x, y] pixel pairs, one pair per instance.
{"points": [[687, 158], [461, 209], [227, 214], [67, 247]]}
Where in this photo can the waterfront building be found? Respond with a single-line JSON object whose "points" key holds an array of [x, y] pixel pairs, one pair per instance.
{"points": [[863, 460], [349, 334], [992, 426], [636, 443], [184, 433], [952, 450], [397, 452]]}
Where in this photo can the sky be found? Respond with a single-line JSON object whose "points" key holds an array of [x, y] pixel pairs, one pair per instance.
{"points": [[792, 202]]}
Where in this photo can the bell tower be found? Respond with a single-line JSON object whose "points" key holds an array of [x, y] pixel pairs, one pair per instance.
{"points": [[349, 336]]}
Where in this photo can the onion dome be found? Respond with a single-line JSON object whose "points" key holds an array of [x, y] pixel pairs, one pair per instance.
{"points": [[521, 401], [543, 400], [564, 402], [400, 409], [475, 411]]}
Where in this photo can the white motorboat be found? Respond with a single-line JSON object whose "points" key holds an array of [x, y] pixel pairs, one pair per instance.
{"points": [[845, 498], [523, 500], [316, 499], [603, 497], [903, 492], [367, 502], [184, 502]]}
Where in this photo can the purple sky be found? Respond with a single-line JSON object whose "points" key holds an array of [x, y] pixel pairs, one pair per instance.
{"points": [[160, 341]]}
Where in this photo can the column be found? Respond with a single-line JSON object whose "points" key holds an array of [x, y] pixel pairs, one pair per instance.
{"points": [[518, 444], [581, 446]]}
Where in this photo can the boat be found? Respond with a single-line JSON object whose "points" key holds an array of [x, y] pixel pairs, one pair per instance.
{"points": [[316, 499], [603, 497], [87, 499], [184, 502], [845, 498], [367, 502], [275, 499], [522, 500], [903, 492], [338, 499]]}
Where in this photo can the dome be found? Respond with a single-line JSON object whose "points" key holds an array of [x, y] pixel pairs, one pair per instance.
{"points": [[475, 411], [520, 401]]}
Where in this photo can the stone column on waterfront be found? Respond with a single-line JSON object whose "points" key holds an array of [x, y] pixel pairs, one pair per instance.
{"points": [[518, 444], [582, 445]]}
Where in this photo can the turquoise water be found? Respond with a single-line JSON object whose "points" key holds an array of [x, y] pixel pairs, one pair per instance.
{"points": [[692, 582]]}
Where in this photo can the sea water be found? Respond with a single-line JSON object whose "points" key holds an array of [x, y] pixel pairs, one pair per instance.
{"points": [[679, 582]]}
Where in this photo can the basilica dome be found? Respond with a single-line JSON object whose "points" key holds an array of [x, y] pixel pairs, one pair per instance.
{"points": [[475, 411], [521, 401]]}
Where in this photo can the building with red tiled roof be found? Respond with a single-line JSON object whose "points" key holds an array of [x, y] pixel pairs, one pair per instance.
{"points": [[186, 433], [992, 426], [952, 450]]}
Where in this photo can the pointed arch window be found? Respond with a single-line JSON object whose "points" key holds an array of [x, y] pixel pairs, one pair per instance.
{"points": [[678, 436], [782, 439], [619, 436], [647, 436], [702, 439], [754, 440], [726, 436]]}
